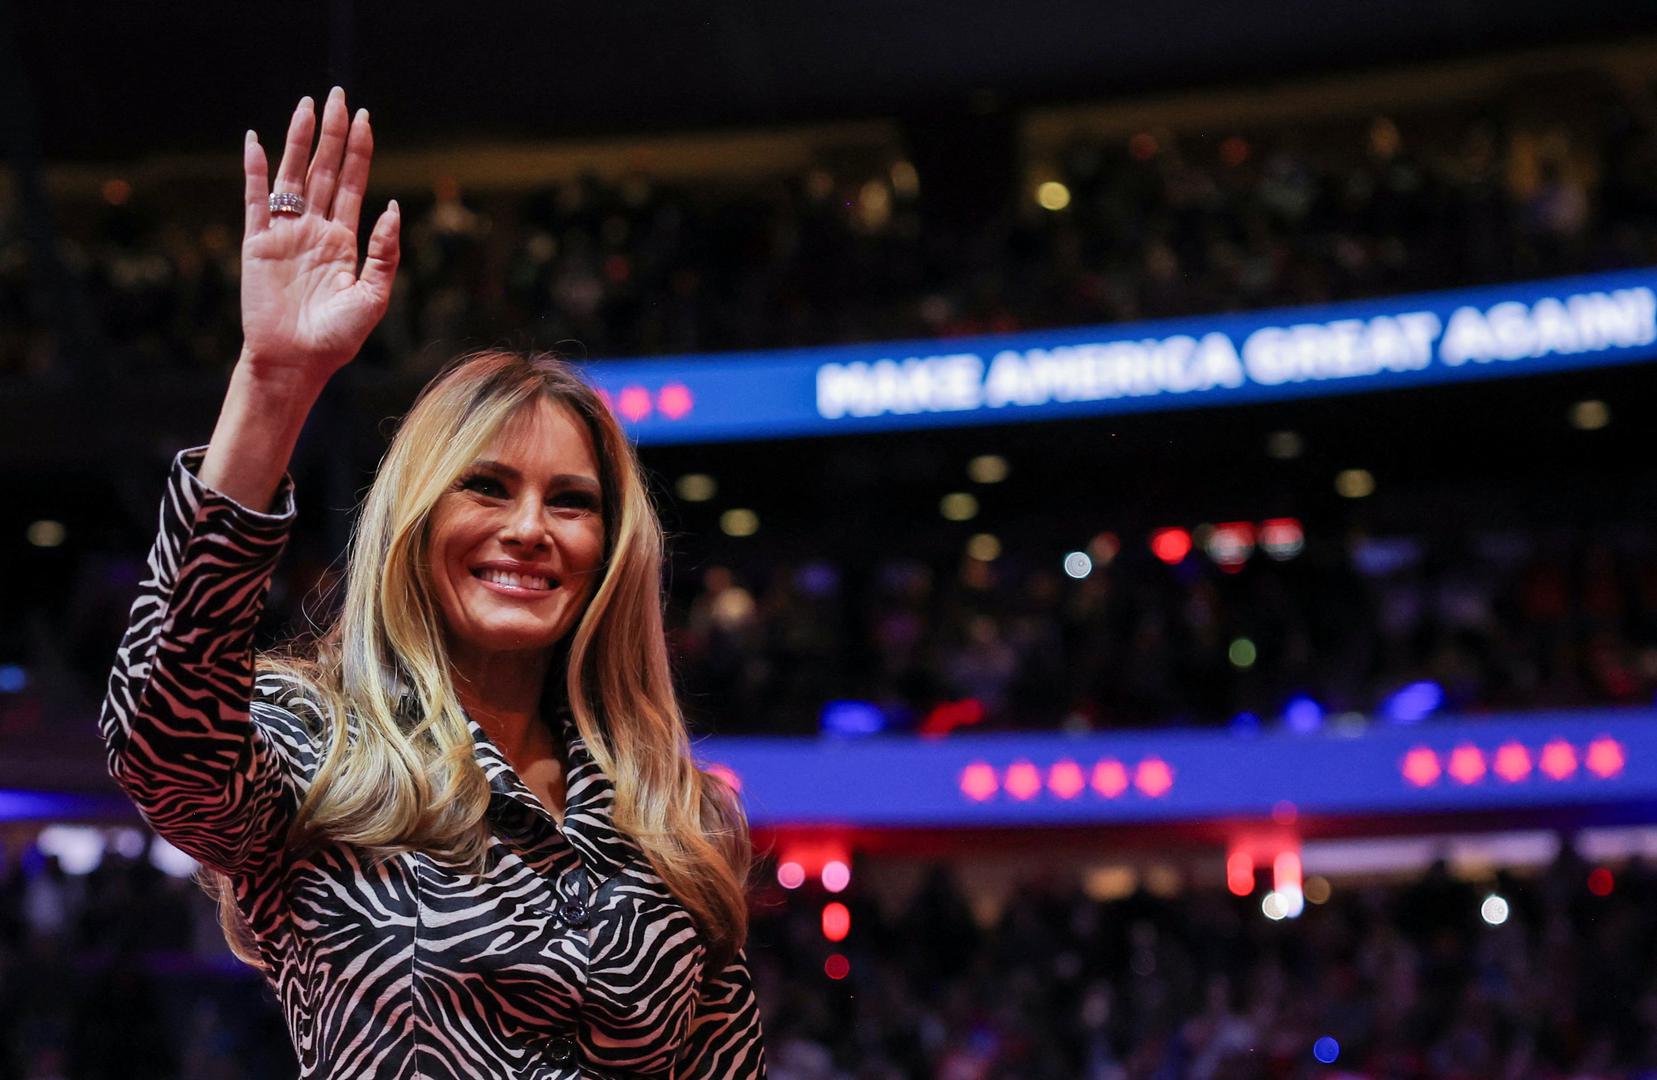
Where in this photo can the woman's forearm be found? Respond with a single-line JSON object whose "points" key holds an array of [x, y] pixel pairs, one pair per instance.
{"points": [[254, 438]]}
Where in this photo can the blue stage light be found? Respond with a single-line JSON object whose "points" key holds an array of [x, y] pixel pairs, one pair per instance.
{"points": [[1303, 714], [1326, 1050], [1414, 702], [852, 718]]}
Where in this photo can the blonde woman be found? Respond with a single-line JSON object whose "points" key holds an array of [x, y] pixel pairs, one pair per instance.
{"points": [[461, 833]]}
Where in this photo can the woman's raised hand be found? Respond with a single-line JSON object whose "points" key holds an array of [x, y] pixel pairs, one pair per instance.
{"points": [[306, 309]]}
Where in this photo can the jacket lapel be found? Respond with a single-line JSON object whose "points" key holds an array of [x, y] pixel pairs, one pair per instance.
{"points": [[589, 798]]}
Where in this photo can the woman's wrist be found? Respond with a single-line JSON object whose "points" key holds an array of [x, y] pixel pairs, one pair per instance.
{"points": [[263, 413]]}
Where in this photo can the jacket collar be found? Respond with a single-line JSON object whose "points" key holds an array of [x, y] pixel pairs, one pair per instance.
{"points": [[589, 797]]}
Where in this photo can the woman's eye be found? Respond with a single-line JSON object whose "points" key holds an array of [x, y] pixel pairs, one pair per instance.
{"points": [[579, 500], [484, 485]]}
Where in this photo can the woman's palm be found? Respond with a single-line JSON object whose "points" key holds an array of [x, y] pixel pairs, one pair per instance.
{"points": [[305, 309], [300, 292]]}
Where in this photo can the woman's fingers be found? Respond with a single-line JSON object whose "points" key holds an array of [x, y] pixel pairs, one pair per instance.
{"points": [[380, 268], [353, 174], [319, 182], [256, 189], [290, 175]]}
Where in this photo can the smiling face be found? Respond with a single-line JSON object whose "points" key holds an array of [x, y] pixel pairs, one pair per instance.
{"points": [[516, 543]]}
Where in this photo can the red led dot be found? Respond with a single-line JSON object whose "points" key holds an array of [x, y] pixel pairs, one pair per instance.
{"points": [[1154, 777], [837, 921], [1605, 757], [978, 781], [1558, 759], [1171, 545], [836, 875], [1512, 762], [837, 967], [1110, 778], [727, 774], [635, 403], [1065, 780], [1023, 780], [1421, 767], [675, 400], [1239, 873], [1466, 764], [1600, 882]]}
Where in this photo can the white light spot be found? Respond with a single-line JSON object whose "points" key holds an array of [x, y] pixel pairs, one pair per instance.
{"points": [[739, 522], [958, 506], [47, 533], [696, 487]]}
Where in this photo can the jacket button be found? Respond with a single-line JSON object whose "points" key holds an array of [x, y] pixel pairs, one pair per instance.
{"points": [[573, 912], [561, 1050]]}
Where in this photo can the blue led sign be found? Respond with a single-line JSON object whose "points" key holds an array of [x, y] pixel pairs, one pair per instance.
{"points": [[1216, 360]]}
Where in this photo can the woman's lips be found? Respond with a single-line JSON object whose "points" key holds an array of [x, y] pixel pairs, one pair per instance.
{"points": [[506, 583]]}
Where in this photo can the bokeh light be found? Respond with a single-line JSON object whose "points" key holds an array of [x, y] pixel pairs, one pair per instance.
{"points": [[958, 506], [696, 487], [739, 522]]}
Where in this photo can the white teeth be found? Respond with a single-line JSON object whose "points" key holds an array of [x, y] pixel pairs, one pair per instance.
{"points": [[521, 581]]}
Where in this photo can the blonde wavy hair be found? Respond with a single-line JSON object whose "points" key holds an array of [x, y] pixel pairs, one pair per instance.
{"points": [[398, 771]]}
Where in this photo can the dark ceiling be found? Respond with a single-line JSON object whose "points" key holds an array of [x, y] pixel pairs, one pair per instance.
{"points": [[110, 79]]}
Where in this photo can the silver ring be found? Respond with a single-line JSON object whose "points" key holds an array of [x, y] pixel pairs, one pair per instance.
{"points": [[285, 202]]}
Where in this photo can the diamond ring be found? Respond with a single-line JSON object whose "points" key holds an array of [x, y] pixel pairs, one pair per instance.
{"points": [[286, 202]]}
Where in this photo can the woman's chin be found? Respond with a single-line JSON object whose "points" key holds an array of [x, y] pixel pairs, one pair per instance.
{"points": [[508, 636]]}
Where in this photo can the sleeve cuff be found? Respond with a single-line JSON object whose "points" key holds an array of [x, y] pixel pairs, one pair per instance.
{"points": [[185, 474]]}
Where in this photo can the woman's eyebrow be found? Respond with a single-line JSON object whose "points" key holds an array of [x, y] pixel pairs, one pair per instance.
{"points": [[506, 471]]}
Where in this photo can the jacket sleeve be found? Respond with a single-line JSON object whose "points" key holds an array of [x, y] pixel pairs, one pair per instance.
{"points": [[724, 1041], [176, 723]]}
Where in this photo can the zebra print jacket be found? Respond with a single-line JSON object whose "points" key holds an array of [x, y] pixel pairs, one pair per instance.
{"points": [[566, 957]]}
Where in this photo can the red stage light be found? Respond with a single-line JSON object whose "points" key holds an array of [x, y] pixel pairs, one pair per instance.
{"points": [[1110, 778], [1065, 780], [1600, 882], [1231, 543], [837, 967], [1558, 759], [1512, 762], [1605, 757], [978, 781], [635, 403], [1171, 545], [1239, 873], [1023, 780], [675, 400], [1421, 767], [1466, 764], [1282, 538], [1286, 872], [790, 875], [836, 875], [946, 716], [1154, 777], [837, 921]]}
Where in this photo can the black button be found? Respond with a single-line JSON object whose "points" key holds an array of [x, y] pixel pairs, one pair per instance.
{"points": [[573, 912], [561, 1050]]}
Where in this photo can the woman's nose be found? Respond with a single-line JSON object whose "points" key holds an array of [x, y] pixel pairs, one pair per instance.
{"points": [[525, 524]]}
